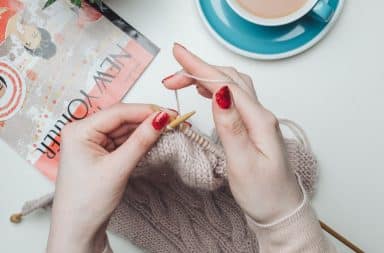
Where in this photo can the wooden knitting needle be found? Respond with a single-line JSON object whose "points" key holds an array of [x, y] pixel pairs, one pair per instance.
{"points": [[340, 238], [175, 123], [16, 218]]}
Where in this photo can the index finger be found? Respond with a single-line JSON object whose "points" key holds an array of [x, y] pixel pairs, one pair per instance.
{"points": [[253, 114], [111, 118], [250, 110], [195, 66]]}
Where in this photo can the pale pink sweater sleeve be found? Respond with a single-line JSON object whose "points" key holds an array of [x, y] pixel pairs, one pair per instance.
{"points": [[298, 232]]}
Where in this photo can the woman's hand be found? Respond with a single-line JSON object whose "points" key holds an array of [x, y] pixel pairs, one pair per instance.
{"points": [[97, 157], [258, 170]]}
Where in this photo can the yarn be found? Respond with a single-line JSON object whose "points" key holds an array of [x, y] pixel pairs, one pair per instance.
{"points": [[178, 199], [206, 80], [181, 202]]}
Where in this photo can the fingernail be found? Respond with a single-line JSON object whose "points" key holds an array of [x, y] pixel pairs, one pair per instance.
{"points": [[188, 124], [168, 77], [178, 44], [223, 98], [160, 120]]}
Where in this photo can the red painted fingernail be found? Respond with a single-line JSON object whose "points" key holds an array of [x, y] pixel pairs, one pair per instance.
{"points": [[160, 120], [175, 43], [223, 97], [168, 77]]}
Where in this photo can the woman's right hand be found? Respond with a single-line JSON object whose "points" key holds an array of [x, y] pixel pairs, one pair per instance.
{"points": [[258, 172]]}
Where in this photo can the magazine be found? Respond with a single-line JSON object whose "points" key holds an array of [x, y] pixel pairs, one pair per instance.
{"points": [[59, 65]]}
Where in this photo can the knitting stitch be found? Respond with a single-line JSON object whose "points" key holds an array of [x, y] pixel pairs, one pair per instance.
{"points": [[178, 200]]}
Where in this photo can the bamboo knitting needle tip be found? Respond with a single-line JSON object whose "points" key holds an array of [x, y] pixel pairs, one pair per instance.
{"points": [[175, 123]]}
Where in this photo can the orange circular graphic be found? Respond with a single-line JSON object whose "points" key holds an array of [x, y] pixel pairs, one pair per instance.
{"points": [[12, 91]]}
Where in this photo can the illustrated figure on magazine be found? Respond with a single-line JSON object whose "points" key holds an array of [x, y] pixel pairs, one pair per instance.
{"points": [[37, 41]]}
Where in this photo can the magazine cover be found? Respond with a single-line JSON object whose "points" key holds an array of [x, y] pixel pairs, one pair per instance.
{"points": [[60, 65]]}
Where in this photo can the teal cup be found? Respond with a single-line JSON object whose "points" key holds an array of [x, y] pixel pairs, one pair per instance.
{"points": [[319, 10]]}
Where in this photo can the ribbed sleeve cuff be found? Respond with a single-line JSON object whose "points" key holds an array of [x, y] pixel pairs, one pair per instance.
{"points": [[298, 232]]}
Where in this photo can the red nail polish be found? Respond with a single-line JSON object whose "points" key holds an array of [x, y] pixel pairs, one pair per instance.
{"points": [[160, 120], [168, 77], [175, 43], [223, 97]]}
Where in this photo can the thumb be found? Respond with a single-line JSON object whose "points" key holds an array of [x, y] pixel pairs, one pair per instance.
{"points": [[229, 124], [141, 140]]}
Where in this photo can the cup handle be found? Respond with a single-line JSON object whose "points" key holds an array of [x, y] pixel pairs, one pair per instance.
{"points": [[322, 11]]}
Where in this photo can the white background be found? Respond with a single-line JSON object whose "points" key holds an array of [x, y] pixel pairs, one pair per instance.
{"points": [[335, 91]]}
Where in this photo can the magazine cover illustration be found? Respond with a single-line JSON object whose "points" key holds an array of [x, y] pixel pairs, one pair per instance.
{"points": [[60, 65]]}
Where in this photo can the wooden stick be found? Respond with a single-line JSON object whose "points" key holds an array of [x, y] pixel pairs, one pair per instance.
{"points": [[16, 218], [340, 238], [179, 120]]}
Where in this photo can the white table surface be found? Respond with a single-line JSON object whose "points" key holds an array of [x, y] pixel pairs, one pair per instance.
{"points": [[335, 91]]}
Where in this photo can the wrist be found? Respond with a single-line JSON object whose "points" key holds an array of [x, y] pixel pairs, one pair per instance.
{"points": [[76, 239], [282, 203]]}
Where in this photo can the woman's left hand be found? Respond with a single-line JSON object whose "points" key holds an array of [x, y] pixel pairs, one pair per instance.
{"points": [[97, 157]]}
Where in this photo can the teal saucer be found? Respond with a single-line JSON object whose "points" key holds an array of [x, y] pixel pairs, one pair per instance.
{"points": [[261, 42]]}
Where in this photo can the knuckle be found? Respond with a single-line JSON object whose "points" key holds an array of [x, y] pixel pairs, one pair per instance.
{"points": [[70, 132], [117, 109], [270, 120], [142, 141], [117, 106], [229, 71], [232, 70], [249, 84], [235, 126], [238, 128], [248, 80]]}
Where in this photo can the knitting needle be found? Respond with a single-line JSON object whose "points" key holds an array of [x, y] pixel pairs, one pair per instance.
{"points": [[340, 238], [16, 218], [175, 123]]}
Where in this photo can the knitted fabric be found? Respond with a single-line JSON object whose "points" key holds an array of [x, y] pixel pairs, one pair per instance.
{"points": [[178, 200], [204, 166]]}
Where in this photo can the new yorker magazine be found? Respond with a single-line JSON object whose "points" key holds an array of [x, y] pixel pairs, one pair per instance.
{"points": [[60, 65]]}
